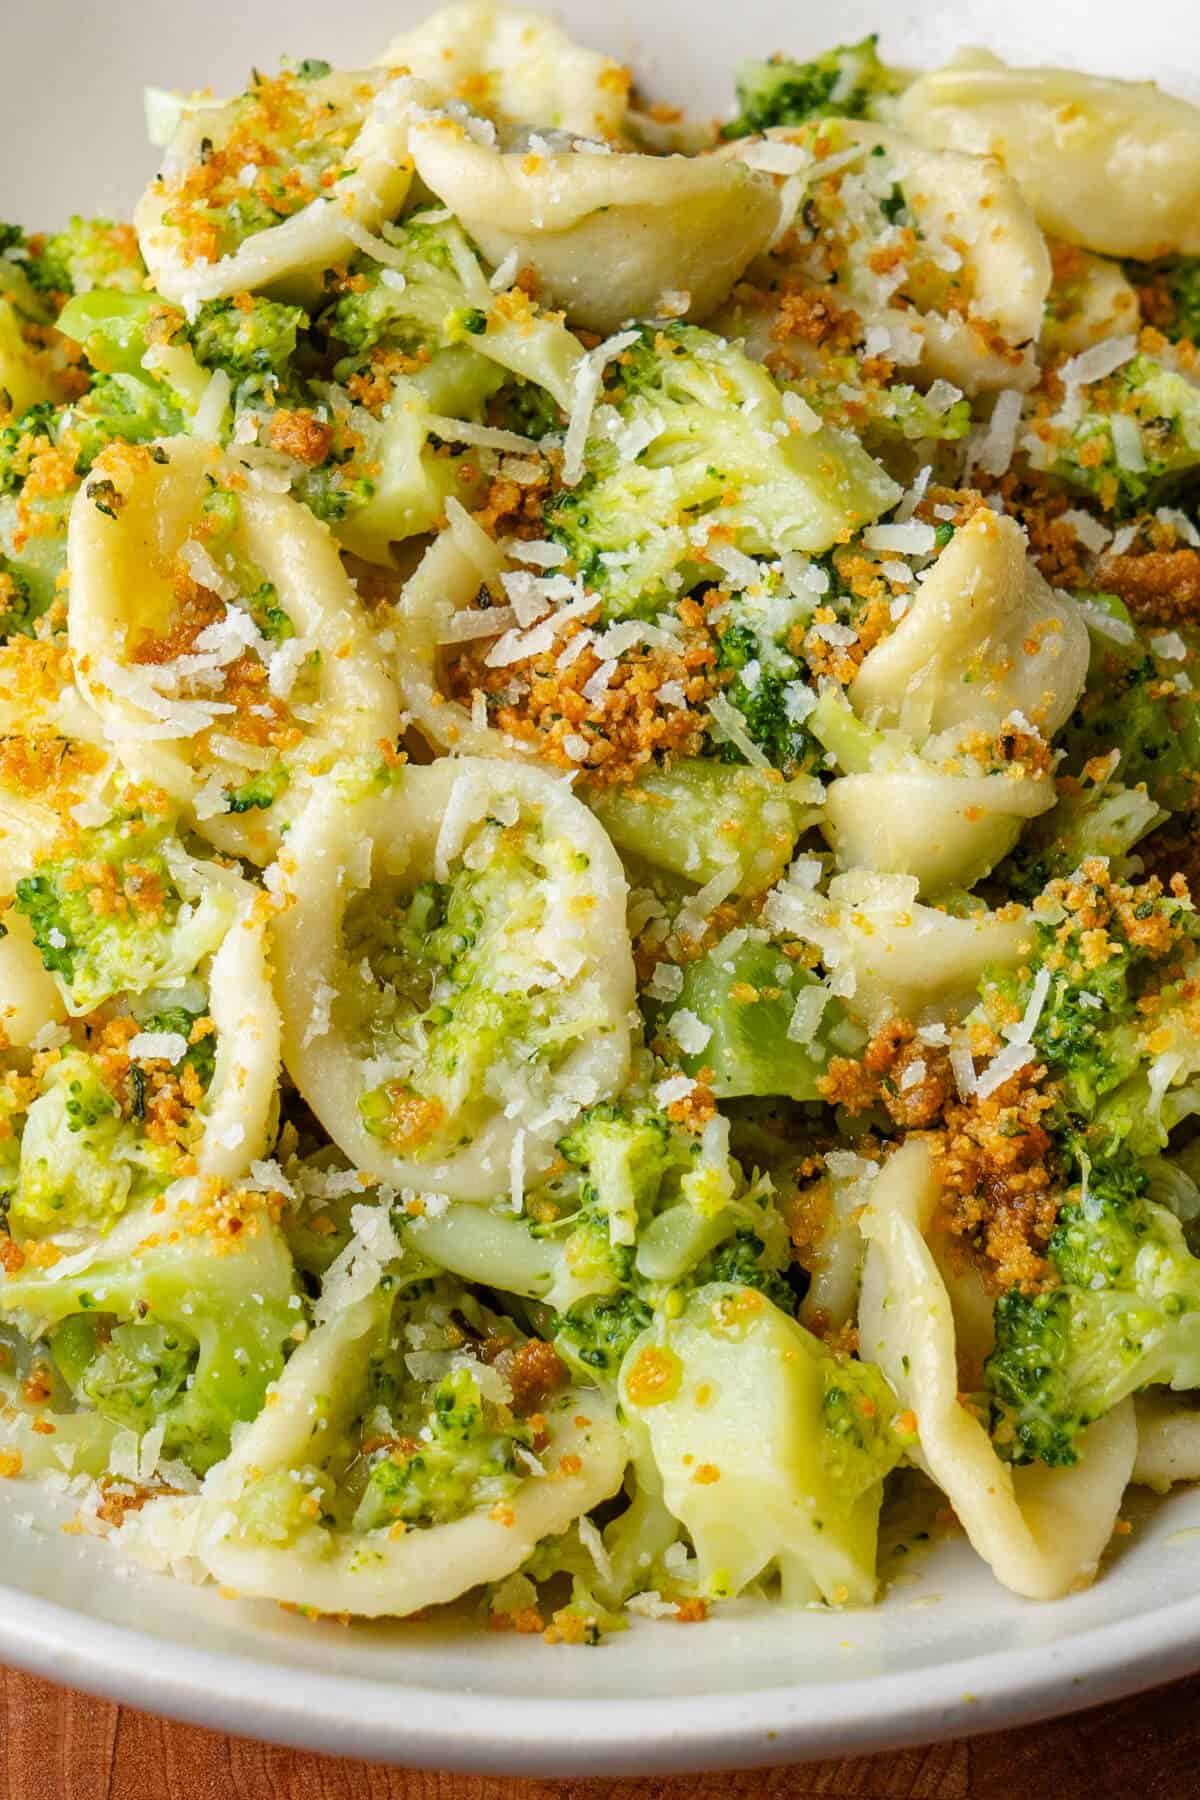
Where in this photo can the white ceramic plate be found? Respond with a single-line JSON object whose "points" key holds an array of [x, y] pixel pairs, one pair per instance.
{"points": [[949, 1651]]}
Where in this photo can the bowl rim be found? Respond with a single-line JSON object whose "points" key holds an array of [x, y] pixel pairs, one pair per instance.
{"points": [[407, 1725]]}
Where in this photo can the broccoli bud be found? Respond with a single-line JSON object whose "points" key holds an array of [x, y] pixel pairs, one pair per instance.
{"points": [[848, 82]]}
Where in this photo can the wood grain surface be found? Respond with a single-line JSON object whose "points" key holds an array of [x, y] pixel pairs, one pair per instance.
{"points": [[56, 1745]]}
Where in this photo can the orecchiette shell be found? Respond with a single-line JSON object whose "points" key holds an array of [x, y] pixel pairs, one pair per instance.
{"points": [[1041, 1530], [1111, 165]]}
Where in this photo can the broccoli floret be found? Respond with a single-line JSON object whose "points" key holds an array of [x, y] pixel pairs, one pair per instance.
{"points": [[748, 1263], [1126, 1315], [1138, 437], [260, 792], [181, 1272], [694, 438], [125, 407], [1170, 295], [81, 1162], [1132, 704], [845, 83], [1106, 821], [140, 935], [766, 694], [593, 1335], [706, 817], [19, 610], [1106, 961], [258, 339], [624, 1156], [420, 303], [745, 998], [464, 1456], [524, 407], [90, 253]]}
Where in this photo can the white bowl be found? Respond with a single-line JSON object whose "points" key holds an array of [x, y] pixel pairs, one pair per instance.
{"points": [[948, 1651]]}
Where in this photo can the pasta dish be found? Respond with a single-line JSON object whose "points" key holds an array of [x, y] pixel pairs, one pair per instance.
{"points": [[598, 788]]}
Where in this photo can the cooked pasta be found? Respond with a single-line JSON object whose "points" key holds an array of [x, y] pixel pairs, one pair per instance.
{"points": [[599, 773]]}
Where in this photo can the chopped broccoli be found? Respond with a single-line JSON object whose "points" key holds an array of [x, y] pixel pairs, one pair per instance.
{"points": [[1107, 960], [1170, 294], [693, 440], [420, 304], [770, 693], [81, 1162], [701, 818], [258, 339], [625, 1157], [1106, 820], [108, 916], [124, 407], [772, 1451], [89, 253], [1126, 1315], [1137, 438], [260, 792], [459, 1452], [1132, 703], [848, 82], [594, 1335], [748, 1263], [19, 610], [741, 997], [182, 1270]]}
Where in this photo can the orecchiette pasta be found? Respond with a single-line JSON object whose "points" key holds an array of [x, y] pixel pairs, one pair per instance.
{"points": [[948, 830], [1168, 1440], [204, 234], [217, 635], [610, 237], [376, 1572], [463, 1086], [517, 68], [597, 780], [1112, 165], [892, 955], [977, 256], [987, 641], [31, 997], [1041, 1530]]}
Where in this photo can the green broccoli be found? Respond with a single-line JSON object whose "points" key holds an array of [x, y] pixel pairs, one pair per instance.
{"points": [[693, 441], [418, 304], [82, 1163], [771, 703], [1133, 703], [747, 1262], [259, 339], [1137, 438], [1107, 820], [222, 1299], [1126, 1315], [259, 792], [1106, 968], [848, 82], [89, 253], [734, 1014], [625, 1156], [19, 609], [700, 818], [121, 407], [108, 916], [464, 1456], [1171, 295], [593, 1335]]}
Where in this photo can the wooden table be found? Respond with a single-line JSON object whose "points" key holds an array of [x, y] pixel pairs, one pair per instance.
{"points": [[56, 1745]]}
